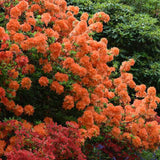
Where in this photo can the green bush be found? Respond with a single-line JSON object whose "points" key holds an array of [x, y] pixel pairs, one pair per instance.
{"points": [[145, 6]]}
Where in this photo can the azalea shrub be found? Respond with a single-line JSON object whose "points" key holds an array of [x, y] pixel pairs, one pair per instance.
{"points": [[51, 66], [43, 141]]}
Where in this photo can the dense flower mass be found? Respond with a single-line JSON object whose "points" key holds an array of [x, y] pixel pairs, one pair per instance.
{"points": [[47, 52], [45, 141]]}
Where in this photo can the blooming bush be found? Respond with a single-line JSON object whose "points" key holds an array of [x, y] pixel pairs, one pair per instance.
{"points": [[51, 62], [43, 141]]}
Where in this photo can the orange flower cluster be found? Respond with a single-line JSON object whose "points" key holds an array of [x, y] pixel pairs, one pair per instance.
{"points": [[74, 9], [43, 81], [13, 73], [68, 102], [13, 25], [61, 77], [101, 16], [40, 129], [2, 33], [29, 110], [18, 110], [29, 68], [55, 86], [14, 85], [46, 18], [81, 95], [47, 68], [26, 83], [2, 92]]}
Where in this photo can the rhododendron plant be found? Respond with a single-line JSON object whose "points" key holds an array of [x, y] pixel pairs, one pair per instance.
{"points": [[43, 45], [43, 141]]}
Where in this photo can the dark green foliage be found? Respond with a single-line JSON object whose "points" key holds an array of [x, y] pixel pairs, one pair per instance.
{"points": [[145, 6]]}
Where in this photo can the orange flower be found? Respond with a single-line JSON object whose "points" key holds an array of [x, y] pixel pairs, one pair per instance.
{"points": [[2, 92], [26, 83], [132, 84], [74, 9], [18, 110], [107, 83], [35, 7], [99, 91], [12, 140], [48, 120], [2, 144], [43, 81], [104, 40], [151, 91], [51, 7], [55, 86], [40, 129], [13, 24], [14, 85], [10, 106], [83, 132], [88, 120], [84, 16], [75, 68], [23, 6], [28, 109], [68, 102], [51, 33], [9, 148], [13, 93], [31, 21], [4, 100], [90, 21], [47, 68], [115, 51], [2, 32], [67, 46], [140, 90], [99, 118], [79, 29], [136, 141], [26, 27], [96, 27], [142, 133], [15, 48], [27, 125], [29, 68], [61, 77], [93, 132], [55, 49], [101, 16], [46, 17], [68, 62], [15, 12], [131, 62], [13, 73], [145, 144]]}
